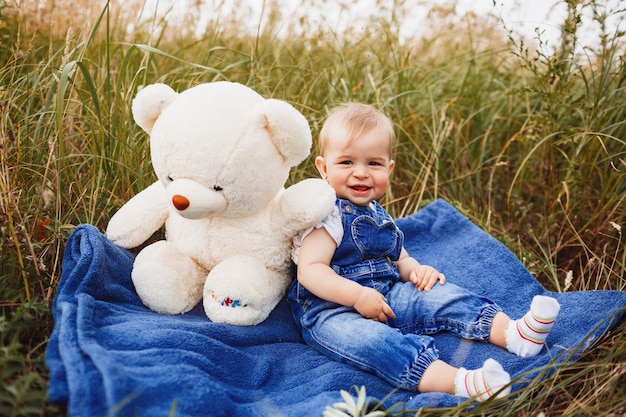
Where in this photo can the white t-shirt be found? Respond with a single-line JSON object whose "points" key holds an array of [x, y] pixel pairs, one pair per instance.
{"points": [[332, 224]]}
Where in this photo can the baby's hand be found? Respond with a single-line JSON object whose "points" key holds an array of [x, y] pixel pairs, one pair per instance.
{"points": [[424, 277], [373, 305]]}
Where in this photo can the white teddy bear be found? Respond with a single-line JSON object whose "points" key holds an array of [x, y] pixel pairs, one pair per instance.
{"points": [[222, 154]]}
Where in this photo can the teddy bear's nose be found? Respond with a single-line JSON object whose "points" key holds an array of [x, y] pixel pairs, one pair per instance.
{"points": [[180, 202]]}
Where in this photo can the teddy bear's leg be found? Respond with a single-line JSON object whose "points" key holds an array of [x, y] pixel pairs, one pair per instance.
{"points": [[242, 291], [166, 280]]}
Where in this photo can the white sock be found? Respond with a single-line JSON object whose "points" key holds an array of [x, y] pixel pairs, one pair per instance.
{"points": [[525, 337], [482, 383]]}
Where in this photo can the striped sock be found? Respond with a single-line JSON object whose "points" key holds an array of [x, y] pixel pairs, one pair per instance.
{"points": [[482, 383], [525, 337]]}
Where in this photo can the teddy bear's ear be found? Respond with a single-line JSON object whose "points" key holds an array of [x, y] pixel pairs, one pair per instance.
{"points": [[288, 130], [150, 102]]}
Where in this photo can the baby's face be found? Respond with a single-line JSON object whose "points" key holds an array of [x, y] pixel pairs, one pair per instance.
{"points": [[358, 171]]}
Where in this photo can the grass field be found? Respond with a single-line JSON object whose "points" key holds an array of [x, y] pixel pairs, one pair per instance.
{"points": [[529, 144]]}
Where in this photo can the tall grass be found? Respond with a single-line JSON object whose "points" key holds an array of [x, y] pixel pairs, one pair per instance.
{"points": [[529, 143]]}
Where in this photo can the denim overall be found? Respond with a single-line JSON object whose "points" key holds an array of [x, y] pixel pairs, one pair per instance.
{"points": [[398, 351]]}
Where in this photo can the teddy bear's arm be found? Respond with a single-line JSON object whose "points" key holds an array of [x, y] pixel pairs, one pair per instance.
{"points": [[139, 218], [304, 204]]}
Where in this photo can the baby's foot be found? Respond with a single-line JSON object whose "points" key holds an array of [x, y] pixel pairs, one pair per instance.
{"points": [[482, 383], [525, 337]]}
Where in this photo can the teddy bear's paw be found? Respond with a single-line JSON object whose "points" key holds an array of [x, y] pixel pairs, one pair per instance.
{"points": [[166, 281], [307, 203], [138, 219], [228, 309], [232, 309], [241, 291]]}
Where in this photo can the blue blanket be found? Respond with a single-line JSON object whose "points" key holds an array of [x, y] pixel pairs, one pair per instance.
{"points": [[109, 355]]}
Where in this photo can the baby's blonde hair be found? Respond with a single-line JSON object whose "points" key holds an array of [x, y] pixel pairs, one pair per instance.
{"points": [[357, 118]]}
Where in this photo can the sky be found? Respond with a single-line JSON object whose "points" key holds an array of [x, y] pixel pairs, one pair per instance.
{"points": [[524, 17]]}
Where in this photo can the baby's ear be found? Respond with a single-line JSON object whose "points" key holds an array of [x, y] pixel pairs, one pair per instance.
{"points": [[320, 164], [150, 102], [288, 130]]}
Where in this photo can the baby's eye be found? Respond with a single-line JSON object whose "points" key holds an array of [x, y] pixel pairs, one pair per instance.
{"points": [[346, 162], [374, 163]]}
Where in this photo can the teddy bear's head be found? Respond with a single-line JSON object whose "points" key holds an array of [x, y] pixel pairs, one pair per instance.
{"points": [[220, 149]]}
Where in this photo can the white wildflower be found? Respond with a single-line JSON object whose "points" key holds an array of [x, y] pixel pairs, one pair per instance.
{"points": [[569, 277], [333, 412], [616, 226], [48, 195], [350, 408]]}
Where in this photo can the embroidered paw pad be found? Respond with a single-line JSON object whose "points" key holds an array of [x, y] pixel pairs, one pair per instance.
{"points": [[227, 302]]}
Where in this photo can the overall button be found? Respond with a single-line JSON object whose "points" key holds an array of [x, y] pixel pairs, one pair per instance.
{"points": [[349, 209]]}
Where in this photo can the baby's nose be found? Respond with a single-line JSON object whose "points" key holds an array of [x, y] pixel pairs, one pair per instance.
{"points": [[359, 171]]}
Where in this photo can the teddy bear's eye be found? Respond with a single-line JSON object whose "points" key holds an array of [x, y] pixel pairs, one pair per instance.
{"points": [[217, 188], [170, 179]]}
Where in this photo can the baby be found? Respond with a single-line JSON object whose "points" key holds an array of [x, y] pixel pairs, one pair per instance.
{"points": [[359, 298]]}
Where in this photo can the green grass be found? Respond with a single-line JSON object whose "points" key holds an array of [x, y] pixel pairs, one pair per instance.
{"points": [[530, 145]]}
